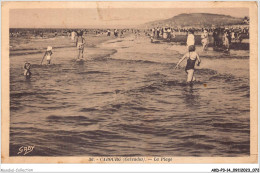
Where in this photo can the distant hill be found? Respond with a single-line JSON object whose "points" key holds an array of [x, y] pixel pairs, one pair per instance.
{"points": [[196, 20]]}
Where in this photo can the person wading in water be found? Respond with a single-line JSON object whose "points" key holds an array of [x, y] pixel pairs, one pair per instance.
{"points": [[47, 54], [80, 41], [192, 57]]}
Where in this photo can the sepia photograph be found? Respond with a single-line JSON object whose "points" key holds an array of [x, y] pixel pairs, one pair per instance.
{"points": [[123, 82]]}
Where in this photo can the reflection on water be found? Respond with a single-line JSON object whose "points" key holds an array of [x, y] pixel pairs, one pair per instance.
{"points": [[120, 106], [191, 96]]}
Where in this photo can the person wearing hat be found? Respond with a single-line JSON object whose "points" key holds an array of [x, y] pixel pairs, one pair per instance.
{"points": [[191, 57], [47, 54], [205, 39]]}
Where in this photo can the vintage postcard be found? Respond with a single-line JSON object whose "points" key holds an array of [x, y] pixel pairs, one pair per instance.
{"points": [[129, 82]]}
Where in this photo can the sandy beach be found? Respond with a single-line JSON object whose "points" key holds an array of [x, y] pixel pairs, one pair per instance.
{"points": [[167, 52]]}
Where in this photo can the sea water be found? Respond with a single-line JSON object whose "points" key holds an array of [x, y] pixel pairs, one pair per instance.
{"points": [[124, 100]]}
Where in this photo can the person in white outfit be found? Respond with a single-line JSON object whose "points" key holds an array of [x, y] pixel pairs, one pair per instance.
{"points": [[190, 39], [205, 39], [47, 54], [73, 35]]}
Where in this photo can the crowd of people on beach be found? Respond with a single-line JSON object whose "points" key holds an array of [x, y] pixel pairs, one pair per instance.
{"points": [[50, 33], [222, 36], [100, 32], [161, 32], [166, 33]]}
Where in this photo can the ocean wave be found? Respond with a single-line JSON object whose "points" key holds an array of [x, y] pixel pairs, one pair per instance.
{"points": [[88, 110], [93, 72], [26, 93], [76, 118]]}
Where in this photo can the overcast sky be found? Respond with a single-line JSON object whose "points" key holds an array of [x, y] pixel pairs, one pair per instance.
{"points": [[106, 17]]}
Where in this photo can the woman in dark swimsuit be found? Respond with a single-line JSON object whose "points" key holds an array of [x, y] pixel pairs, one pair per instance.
{"points": [[191, 61]]}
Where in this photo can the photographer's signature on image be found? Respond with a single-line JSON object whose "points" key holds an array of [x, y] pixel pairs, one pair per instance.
{"points": [[25, 149]]}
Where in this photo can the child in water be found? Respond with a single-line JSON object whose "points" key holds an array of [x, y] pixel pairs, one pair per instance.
{"points": [[192, 57], [27, 70], [80, 42], [48, 54]]}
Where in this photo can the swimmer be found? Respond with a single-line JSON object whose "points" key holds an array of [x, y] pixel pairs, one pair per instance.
{"points": [[27, 70], [192, 57], [47, 54]]}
